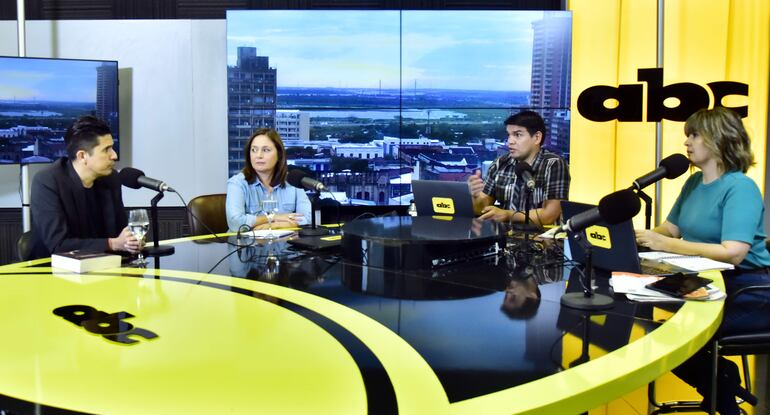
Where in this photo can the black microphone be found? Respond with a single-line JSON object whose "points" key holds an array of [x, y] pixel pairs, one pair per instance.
{"points": [[299, 178], [135, 179], [670, 167], [524, 171], [614, 208]]}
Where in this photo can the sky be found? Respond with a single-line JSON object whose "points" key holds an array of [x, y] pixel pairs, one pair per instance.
{"points": [[47, 79], [471, 50]]}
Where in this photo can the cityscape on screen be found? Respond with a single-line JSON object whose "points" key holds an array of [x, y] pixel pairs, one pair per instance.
{"points": [[370, 100]]}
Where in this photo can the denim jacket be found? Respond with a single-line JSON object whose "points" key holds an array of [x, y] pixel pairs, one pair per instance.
{"points": [[244, 199]]}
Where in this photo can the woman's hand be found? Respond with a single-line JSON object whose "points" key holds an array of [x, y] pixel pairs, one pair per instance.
{"points": [[651, 239], [282, 220]]}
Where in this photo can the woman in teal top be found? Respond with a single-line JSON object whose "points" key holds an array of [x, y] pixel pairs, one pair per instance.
{"points": [[719, 214], [264, 176]]}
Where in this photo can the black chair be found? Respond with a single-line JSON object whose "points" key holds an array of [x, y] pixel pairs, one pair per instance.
{"points": [[742, 345], [206, 214], [24, 246]]}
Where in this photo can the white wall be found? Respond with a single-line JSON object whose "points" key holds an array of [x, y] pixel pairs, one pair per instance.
{"points": [[173, 96]]}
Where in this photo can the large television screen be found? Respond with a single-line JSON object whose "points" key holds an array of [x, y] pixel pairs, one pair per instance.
{"points": [[370, 100], [40, 98]]}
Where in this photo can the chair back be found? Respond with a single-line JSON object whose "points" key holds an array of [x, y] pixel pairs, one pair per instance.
{"points": [[24, 246], [748, 343], [210, 213]]}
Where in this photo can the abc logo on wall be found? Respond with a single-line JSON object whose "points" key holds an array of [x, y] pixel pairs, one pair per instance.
{"points": [[691, 97]]}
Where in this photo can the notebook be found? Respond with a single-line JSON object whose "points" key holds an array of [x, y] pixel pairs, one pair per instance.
{"points": [[613, 246], [436, 197]]}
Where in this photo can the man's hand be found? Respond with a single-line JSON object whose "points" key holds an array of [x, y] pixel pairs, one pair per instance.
{"points": [[496, 214], [125, 241], [475, 183]]}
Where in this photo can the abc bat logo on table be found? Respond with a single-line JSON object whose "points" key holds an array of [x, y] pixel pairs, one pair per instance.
{"points": [[630, 98], [110, 326]]}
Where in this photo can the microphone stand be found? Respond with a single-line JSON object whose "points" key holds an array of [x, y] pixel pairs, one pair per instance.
{"points": [[584, 356], [157, 250], [647, 207], [314, 230], [586, 300], [527, 206]]}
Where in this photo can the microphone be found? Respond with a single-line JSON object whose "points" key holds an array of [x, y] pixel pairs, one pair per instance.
{"points": [[614, 208], [299, 178], [524, 171], [135, 179], [670, 167]]}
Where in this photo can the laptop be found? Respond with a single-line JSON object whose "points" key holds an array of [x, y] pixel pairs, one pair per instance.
{"points": [[613, 246], [437, 197]]}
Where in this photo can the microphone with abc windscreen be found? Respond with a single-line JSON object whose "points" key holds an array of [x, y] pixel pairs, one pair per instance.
{"points": [[302, 180], [614, 208], [524, 171], [135, 179], [670, 167]]}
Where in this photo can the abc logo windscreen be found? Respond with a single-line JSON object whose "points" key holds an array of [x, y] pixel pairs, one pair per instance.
{"points": [[599, 236]]}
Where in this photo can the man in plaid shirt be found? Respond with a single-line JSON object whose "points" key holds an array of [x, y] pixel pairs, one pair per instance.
{"points": [[526, 133]]}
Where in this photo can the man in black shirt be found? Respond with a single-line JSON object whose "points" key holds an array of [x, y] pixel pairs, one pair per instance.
{"points": [[77, 201]]}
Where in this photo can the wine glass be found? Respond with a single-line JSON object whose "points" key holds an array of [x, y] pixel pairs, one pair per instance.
{"points": [[138, 223], [269, 209]]}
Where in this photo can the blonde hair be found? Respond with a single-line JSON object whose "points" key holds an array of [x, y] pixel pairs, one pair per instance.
{"points": [[724, 135]]}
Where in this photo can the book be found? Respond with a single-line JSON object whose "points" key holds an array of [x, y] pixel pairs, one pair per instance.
{"points": [[81, 260], [688, 262]]}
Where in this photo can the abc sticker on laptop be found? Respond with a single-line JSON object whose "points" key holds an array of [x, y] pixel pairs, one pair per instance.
{"points": [[599, 236], [443, 205]]}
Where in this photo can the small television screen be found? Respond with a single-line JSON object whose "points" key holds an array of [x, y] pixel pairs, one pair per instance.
{"points": [[40, 98]]}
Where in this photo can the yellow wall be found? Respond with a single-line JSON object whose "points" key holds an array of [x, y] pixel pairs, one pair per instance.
{"points": [[704, 41]]}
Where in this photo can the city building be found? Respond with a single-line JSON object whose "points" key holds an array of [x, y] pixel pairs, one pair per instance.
{"points": [[292, 125], [551, 80], [252, 88], [106, 95]]}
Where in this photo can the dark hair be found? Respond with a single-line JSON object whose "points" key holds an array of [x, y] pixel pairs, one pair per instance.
{"points": [[279, 171], [529, 306], [724, 135], [530, 120], [84, 135]]}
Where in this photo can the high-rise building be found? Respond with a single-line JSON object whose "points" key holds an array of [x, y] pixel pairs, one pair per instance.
{"points": [[251, 86], [551, 81], [106, 94]]}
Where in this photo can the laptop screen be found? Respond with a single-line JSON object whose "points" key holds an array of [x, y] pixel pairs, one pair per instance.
{"points": [[436, 197]]}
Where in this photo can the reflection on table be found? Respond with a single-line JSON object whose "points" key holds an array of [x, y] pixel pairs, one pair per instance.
{"points": [[483, 335]]}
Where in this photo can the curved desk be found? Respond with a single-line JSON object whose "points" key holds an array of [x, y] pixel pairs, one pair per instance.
{"points": [[270, 330]]}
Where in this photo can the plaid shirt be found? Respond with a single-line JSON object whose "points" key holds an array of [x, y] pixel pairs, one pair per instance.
{"points": [[551, 181]]}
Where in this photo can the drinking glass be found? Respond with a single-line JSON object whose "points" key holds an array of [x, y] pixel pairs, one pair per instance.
{"points": [[269, 209], [138, 223]]}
